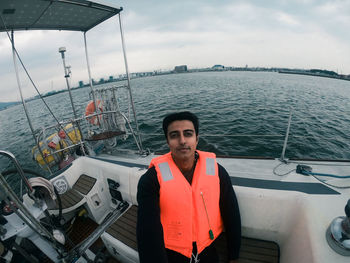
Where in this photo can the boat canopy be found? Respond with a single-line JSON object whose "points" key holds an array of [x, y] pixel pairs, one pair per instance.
{"points": [[73, 15]]}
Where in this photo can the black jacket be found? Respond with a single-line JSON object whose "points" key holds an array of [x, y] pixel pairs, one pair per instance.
{"points": [[149, 229]]}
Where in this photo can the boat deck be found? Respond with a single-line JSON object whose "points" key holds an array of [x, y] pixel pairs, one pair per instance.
{"points": [[124, 229], [252, 250]]}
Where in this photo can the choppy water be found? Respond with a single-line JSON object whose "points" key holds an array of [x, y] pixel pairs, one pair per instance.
{"points": [[253, 105]]}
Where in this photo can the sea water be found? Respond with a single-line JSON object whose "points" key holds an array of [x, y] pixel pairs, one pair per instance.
{"points": [[240, 113]]}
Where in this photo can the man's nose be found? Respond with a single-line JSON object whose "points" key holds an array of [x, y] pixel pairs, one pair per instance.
{"points": [[182, 139]]}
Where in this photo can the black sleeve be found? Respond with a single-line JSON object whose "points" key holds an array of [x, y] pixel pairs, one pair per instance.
{"points": [[149, 230], [230, 214]]}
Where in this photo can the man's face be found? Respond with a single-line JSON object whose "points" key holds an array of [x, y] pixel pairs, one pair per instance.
{"points": [[182, 140]]}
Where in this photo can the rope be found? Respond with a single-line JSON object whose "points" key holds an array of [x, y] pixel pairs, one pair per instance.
{"points": [[274, 170], [325, 164], [327, 175], [316, 174], [335, 186]]}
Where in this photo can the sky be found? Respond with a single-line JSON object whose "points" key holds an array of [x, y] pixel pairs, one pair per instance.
{"points": [[160, 35]]}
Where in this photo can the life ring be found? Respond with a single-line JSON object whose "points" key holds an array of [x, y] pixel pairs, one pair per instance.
{"points": [[90, 109]]}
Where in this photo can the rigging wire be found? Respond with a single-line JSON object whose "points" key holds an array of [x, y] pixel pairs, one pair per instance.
{"points": [[25, 69]]}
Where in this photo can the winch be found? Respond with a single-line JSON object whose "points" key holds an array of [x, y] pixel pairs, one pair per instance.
{"points": [[338, 233]]}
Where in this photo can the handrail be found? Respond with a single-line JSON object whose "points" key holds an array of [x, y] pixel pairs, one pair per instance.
{"points": [[19, 169], [80, 249], [20, 209], [60, 124], [239, 135], [224, 135], [64, 149], [138, 143], [82, 142]]}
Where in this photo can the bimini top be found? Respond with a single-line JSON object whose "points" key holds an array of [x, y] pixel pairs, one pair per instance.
{"points": [[75, 15]]}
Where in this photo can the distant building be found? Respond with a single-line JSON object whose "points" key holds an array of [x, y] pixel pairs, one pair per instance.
{"points": [[110, 79], [179, 69], [81, 84], [122, 76], [218, 67]]}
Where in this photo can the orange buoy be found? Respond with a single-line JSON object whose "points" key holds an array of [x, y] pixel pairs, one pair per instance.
{"points": [[90, 109]]}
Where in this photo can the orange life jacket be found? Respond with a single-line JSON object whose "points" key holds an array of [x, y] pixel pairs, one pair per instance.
{"points": [[188, 212]]}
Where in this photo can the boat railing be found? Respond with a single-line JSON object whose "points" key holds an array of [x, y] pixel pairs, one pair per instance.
{"points": [[65, 138], [282, 136], [112, 115], [108, 134]]}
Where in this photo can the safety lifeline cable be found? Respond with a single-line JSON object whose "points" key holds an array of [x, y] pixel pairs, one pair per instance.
{"points": [[211, 234]]}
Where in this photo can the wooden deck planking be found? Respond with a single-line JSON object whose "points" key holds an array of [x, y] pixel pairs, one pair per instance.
{"points": [[124, 229], [252, 250], [258, 243], [69, 199], [84, 184], [256, 257], [264, 251]]}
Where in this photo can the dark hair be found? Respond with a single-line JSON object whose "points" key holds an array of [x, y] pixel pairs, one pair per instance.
{"points": [[180, 116]]}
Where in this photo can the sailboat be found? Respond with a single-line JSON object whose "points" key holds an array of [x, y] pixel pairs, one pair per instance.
{"points": [[86, 210]]}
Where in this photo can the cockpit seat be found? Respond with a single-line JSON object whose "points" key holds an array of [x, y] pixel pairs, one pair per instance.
{"points": [[75, 196]]}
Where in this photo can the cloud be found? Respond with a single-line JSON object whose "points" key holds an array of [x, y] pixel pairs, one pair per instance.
{"points": [[287, 19]]}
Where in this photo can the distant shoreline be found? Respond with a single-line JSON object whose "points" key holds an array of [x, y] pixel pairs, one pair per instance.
{"points": [[314, 74]]}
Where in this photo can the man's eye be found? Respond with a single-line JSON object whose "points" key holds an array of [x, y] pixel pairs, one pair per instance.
{"points": [[173, 135], [188, 134]]}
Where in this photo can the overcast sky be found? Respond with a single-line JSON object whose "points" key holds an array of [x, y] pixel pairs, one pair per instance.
{"points": [[199, 33]]}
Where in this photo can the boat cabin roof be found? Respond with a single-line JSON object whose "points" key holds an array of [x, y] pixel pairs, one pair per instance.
{"points": [[73, 15]]}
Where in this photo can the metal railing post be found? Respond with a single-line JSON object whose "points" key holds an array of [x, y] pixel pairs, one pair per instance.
{"points": [[128, 79], [90, 80], [282, 159]]}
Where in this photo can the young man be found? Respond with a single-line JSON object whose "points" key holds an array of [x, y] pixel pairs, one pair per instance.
{"points": [[185, 201]]}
